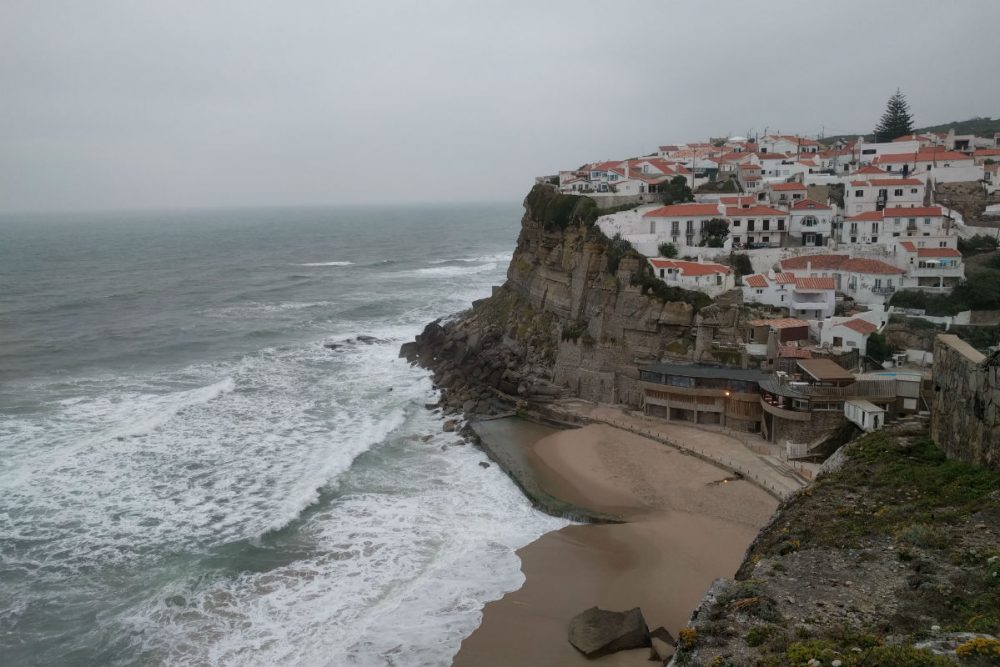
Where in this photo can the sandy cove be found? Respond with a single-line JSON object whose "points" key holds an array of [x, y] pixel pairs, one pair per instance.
{"points": [[688, 523]]}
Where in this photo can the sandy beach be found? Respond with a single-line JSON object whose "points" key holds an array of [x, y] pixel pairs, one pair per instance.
{"points": [[687, 523]]}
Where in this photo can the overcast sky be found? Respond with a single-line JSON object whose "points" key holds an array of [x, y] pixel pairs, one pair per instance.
{"points": [[175, 103]]}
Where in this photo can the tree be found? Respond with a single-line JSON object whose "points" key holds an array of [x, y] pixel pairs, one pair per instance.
{"points": [[676, 191], [714, 233], [878, 347], [896, 121], [668, 250]]}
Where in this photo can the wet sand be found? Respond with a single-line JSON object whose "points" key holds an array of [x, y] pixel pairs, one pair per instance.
{"points": [[686, 526]]}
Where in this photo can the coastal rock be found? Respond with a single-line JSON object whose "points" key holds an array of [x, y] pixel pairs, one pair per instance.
{"points": [[450, 426], [596, 632]]}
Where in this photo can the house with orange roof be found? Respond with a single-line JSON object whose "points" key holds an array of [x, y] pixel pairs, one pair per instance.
{"points": [[847, 333], [875, 194], [888, 226], [788, 143], [785, 194], [681, 224], [810, 223], [866, 281], [935, 269], [804, 297], [708, 277], [757, 226]]}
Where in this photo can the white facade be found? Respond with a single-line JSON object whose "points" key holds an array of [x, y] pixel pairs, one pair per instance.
{"points": [[865, 415], [872, 194], [710, 278], [805, 298], [867, 152], [757, 226], [810, 223], [680, 224]]}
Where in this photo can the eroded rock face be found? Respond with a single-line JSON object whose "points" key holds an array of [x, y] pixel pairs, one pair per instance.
{"points": [[596, 632], [562, 325]]}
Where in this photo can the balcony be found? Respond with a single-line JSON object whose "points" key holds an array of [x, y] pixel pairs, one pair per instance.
{"points": [[884, 291]]}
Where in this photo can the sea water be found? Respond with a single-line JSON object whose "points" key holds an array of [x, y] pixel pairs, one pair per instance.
{"points": [[190, 475]]}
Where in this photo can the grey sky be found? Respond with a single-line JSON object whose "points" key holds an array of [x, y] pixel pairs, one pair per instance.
{"points": [[121, 104]]}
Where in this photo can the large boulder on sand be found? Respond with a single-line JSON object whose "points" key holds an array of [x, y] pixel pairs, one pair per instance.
{"points": [[597, 632]]}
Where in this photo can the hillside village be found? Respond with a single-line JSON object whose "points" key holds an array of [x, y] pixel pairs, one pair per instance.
{"points": [[815, 241]]}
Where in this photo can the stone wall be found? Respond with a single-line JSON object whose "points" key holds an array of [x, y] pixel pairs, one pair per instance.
{"points": [[965, 419]]}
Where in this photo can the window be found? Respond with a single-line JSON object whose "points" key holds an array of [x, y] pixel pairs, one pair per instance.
{"points": [[874, 239], [895, 234], [927, 221], [736, 223], [765, 239], [942, 244], [736, 239], [690, 226], [675, 227], [878, 283], [897, 193], [859, 193], [782, 297], [874, 228], [766, 225], [781, 225], [913, 191], [854, 228], [749, 225], [760, 291]]}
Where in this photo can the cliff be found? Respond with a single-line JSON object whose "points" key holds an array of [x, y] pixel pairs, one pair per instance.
{"points": [[579, 312], [891, 559]]}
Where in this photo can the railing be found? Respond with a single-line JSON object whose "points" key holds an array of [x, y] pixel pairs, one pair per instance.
{"points": [[883, 290], [725, 462]]}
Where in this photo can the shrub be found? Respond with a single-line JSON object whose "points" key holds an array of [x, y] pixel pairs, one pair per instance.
{"points": [[878, 347], [687, 637], [741, 263], [977, 244], [980, 649], [617, 248], [668, 250], [760, 634]]}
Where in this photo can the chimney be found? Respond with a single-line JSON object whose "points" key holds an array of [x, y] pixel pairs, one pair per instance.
{"points": [[809, 266]]}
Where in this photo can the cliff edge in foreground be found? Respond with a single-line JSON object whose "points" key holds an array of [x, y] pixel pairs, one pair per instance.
{"points": [[892, 560], [579, 312]]}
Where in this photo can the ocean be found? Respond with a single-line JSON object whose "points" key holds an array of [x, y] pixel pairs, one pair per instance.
{"points": [[189, 475]]}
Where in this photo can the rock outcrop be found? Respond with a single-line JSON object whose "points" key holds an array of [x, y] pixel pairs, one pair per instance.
{"points": [[596, 632], [575, 318]]}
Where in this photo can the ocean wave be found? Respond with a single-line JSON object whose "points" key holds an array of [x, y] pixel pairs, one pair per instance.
{"points": [[498, 257], [327, 264], [455, 270]]}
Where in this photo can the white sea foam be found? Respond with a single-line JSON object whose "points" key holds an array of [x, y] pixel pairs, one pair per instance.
{"points": [[327, 264], [498, 257], [456, 270]]}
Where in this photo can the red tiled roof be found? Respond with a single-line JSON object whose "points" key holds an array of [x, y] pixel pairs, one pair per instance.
{"points": [[808, 205], [915, 212], [872, 266], [861, 326], [987, 152], [739, 200], [867, 216], [816, 261], [938, 252], [683, 210], [868, 169], [815, 283], [691, 268], [908, 246], [780, 323], [793, 352], [753, 212], [780, 187], [894, 181], [923, 155], [755, 280], [784, 278]]}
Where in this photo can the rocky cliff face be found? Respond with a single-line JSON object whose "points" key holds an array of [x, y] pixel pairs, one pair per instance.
{"points": [[573, 319]]}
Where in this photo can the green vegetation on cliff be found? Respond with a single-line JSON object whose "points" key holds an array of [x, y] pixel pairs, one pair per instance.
{"points": [[900, 546]]}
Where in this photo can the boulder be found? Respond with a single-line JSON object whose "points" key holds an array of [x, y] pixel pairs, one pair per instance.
{"points": [[596, 632], [450, 426]]}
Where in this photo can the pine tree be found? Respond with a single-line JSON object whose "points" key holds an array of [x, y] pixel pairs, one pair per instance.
{"points": [[896, 121]]}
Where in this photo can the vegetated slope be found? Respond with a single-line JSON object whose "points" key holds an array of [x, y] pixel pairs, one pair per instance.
{"points": [[982, 126], [899, 547]]}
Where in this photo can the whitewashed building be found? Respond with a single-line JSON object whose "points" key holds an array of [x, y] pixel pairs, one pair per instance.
{"points": [[757, 226], [804, 297], [708, 277], [937, 269], [681, 224], [877, 193], [810, 223], [785, 194], [867, 281]]}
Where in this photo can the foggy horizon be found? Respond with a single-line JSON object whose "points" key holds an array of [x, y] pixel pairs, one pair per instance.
{"points": [[115, 106]]}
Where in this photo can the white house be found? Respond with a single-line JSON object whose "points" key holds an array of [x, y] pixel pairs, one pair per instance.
{"points": [[785, 194], [757, 226], [865, 415], [681, 224], [804, 297], [934, 269], [867, 281], [925, 159], [878, 193], [847, 333], [783, 143], [810, 223], [916, 221], [868, 152], [708, 277]]}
